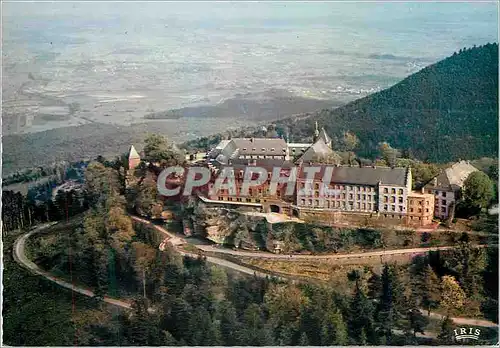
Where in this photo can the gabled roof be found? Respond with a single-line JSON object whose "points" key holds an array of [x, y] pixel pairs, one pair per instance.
{"points": [[452, 178], [324, 136], [363, 175], [317, 151], [260, 146], [132, 153]]}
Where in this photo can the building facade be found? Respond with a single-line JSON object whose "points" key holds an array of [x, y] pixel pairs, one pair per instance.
{"points": [[447, 187], [420, 208]]}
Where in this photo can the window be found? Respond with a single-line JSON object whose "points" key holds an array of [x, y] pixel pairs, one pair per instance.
{"points": [[357, 205], [429, 191], [369, 206], [316, 202], [411, 210], [427, 210], [272, 149], [349, 188], [364, 197], [316, 193], [220, 198], [343, 196], [386, 199], [303, 202], [400, 208], [393, 208], [386, 190], [443, 202], [310, 202], [400, 200], [350, 196], [359, 196], [443, 210], [328, 204], [338, 204], [364, 206], [393, 191], [427, 203], [343, 205], [316, 186], [385, 206], [419, 202], [443, 194], [393, 199], [400, 191], [419, 210]]}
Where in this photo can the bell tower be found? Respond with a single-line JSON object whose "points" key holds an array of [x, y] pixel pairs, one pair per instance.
{"points": [[316, 132]]}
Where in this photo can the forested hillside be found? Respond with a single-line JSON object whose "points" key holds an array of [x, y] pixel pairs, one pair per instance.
{"points": [[446, 111]]}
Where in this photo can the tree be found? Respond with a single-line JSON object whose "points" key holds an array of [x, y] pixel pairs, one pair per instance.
{"points": [[334, 329], [389, 154], [392, 304], [452, 295], [158, 150], [469, 263], [360, 322], [446, 333], [304, 341], [478, 189], [349, 141], [430, 289]]}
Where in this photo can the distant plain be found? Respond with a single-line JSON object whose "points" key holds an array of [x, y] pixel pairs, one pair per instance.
{"points": [[74, 64]]}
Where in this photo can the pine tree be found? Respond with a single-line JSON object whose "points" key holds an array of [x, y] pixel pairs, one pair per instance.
{"points": [[361, 317], [430, 288], [446, 334], [304, 341]]}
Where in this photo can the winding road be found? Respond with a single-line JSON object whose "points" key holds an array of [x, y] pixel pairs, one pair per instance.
{"points": [[176, 241]]}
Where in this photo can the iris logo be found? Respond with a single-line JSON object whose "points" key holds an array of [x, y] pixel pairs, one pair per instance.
{"points": [[464, 333]]}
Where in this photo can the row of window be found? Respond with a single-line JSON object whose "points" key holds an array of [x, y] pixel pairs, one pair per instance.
{"points": [[419, 210], [393, 191], [339, 204], [419, 202], [231, 199], [259, 157], [393, 199], [393, 207], [342, 187], [359, 196], [436, 192], [264, 149]]}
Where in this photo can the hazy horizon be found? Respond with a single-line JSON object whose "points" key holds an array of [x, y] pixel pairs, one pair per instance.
{"points": [[114, 62]]}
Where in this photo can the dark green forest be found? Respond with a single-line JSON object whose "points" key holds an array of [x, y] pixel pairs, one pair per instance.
{"points": [[444, 112]]}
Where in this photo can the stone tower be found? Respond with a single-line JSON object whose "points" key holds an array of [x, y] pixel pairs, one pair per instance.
{"points": [[133, 158], [316, 132]]}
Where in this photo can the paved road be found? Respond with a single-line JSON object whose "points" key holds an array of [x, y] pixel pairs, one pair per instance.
{"points": [[298, 257], [20, 257]]}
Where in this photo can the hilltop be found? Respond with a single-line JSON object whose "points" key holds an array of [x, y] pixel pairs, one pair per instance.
{"points": [[446, 111]]}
